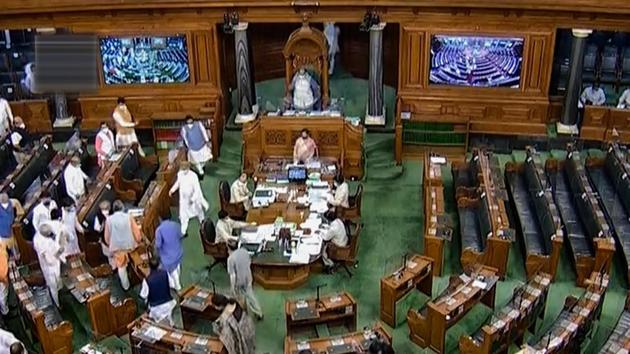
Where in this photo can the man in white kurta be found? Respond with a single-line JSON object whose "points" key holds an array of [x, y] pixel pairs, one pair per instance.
{"points": [[593, 95], [41, 212], [105, 144], [340, 197], [335, 234], [225, 227], [72, 227], [624, 100], [125, 132], [6, 117], [192, 203], [49, 254], [9, 344], [74, 179], [239, 193], [195, 137]]}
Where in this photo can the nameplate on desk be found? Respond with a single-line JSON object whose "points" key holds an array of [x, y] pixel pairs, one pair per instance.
{"points": [[304, 313]]}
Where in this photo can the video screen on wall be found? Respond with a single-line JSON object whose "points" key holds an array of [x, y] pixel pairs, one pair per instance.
{"points": [[476, 61], [144, 60]]}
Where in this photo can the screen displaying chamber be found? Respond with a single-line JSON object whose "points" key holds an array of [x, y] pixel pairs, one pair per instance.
{"points": [[476, 61], [144, 60], [297, 174]]}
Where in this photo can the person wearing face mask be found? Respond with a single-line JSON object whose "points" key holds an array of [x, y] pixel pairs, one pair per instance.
{"points": [[99, 226], [340, 197], [305, 148], [105, 144], [122, 234], [195, 137], [62, 235], [41, 212], [7, 217], [72, 226], [192, 203], [21, 140], [239, 193], [6, 116], [125, 132], [74, 179], [49, 252]]}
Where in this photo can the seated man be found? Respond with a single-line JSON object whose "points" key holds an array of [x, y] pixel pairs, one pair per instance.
{"points": [[336, 233], [305, 148], [21, 140], [156, 291], [225, 227], [592, 95], [239, 193], [75, 179], [340, 198], [197, 142], [624, 100]]}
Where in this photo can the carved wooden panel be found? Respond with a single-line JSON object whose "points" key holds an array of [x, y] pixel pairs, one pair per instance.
{"points": [[276, 137], [327, 138], [203, 47], [413, 65], [35, 113], [536, 73]]}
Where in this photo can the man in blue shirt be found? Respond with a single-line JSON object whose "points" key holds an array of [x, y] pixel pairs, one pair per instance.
{"points": [[168, 245], [7, 216]]}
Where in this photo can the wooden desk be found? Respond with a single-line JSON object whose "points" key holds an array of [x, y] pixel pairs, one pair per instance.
{"points": [[168, 169], [271, 269], [155, 203], [275, 136], [428, 326], [139, 261], [55, 337], [620, 338], [196, 304], [417, 273], [437, 229], [16, 183], [359, 341], [536, 214], [486, 191], [508, 325], [165, 339], [331, 310], [275, 168], [599, 122], [567, 333], [109, 314]]}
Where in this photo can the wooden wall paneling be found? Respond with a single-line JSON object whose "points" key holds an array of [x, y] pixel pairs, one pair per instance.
{"points": [[202, 55], [35, 113], [413, 65]]}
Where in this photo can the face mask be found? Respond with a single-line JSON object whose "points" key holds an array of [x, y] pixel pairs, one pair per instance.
{"points": [[21, 126], [105, 129], [189, 124], [105, 212], [5, 205], [305, 137]]}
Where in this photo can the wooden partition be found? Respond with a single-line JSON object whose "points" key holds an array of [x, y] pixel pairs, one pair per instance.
{"points": [[275, 137], [437, 229], [599, 121], [35, 113]]}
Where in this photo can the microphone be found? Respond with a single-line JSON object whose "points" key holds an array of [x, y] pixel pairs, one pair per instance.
{"points": [[404, 265], [214, 289], [318, 287]]}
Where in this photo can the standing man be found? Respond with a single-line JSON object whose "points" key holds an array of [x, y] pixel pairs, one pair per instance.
{"points": [[4, 280], [72, 226], [239, 192], [125, 132], [21, 140], [62, 235], [197, 143], [41, 212], [100, 220], [238, 267], [340, 197], [593, 95], [75, 179], [192, 203], [105, 144], [6, 116], [168, 245], [305, 148], [49, 254], [156, 291], [7, 216], [122, 234]]}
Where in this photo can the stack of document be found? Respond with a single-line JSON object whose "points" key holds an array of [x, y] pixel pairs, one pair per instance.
{"points": [[311, 245], [319, 207], [257, 234], [299, 257], [311, 223]]}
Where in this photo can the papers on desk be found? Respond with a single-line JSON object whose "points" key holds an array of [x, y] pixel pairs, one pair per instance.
{"points": [[310, 245], [479, 284], [258, 234], [136, 212], [315, 164], [319, 207], [311, 223], [154, 333], [299, 258]]}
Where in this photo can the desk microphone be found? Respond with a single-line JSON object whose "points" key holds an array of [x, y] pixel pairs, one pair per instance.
{"points": [[214, 289], [404, 265], [318, 287]]}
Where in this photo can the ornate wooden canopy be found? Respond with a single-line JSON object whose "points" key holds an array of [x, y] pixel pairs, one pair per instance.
{"points": [[307, 48]]}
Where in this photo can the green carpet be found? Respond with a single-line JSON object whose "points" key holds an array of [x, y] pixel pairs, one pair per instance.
{"points": [[393, 222]]}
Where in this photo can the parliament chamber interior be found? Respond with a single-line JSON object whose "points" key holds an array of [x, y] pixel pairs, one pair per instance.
{"points": [[314, 177]]}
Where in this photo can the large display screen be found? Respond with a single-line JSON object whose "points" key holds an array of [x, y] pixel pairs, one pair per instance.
{"points": [[476, 61], [144, 60]]}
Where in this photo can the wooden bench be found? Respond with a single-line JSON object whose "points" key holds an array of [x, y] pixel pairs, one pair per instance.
{"points": [[16, 183], [136, 171]]}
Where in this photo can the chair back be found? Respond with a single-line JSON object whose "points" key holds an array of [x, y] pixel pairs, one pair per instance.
{"points": [[354, 243], [130, 165], [218, 251], [224, 193]]}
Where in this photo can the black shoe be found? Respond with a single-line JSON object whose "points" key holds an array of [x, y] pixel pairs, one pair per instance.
{"points": [[185, 235]]}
